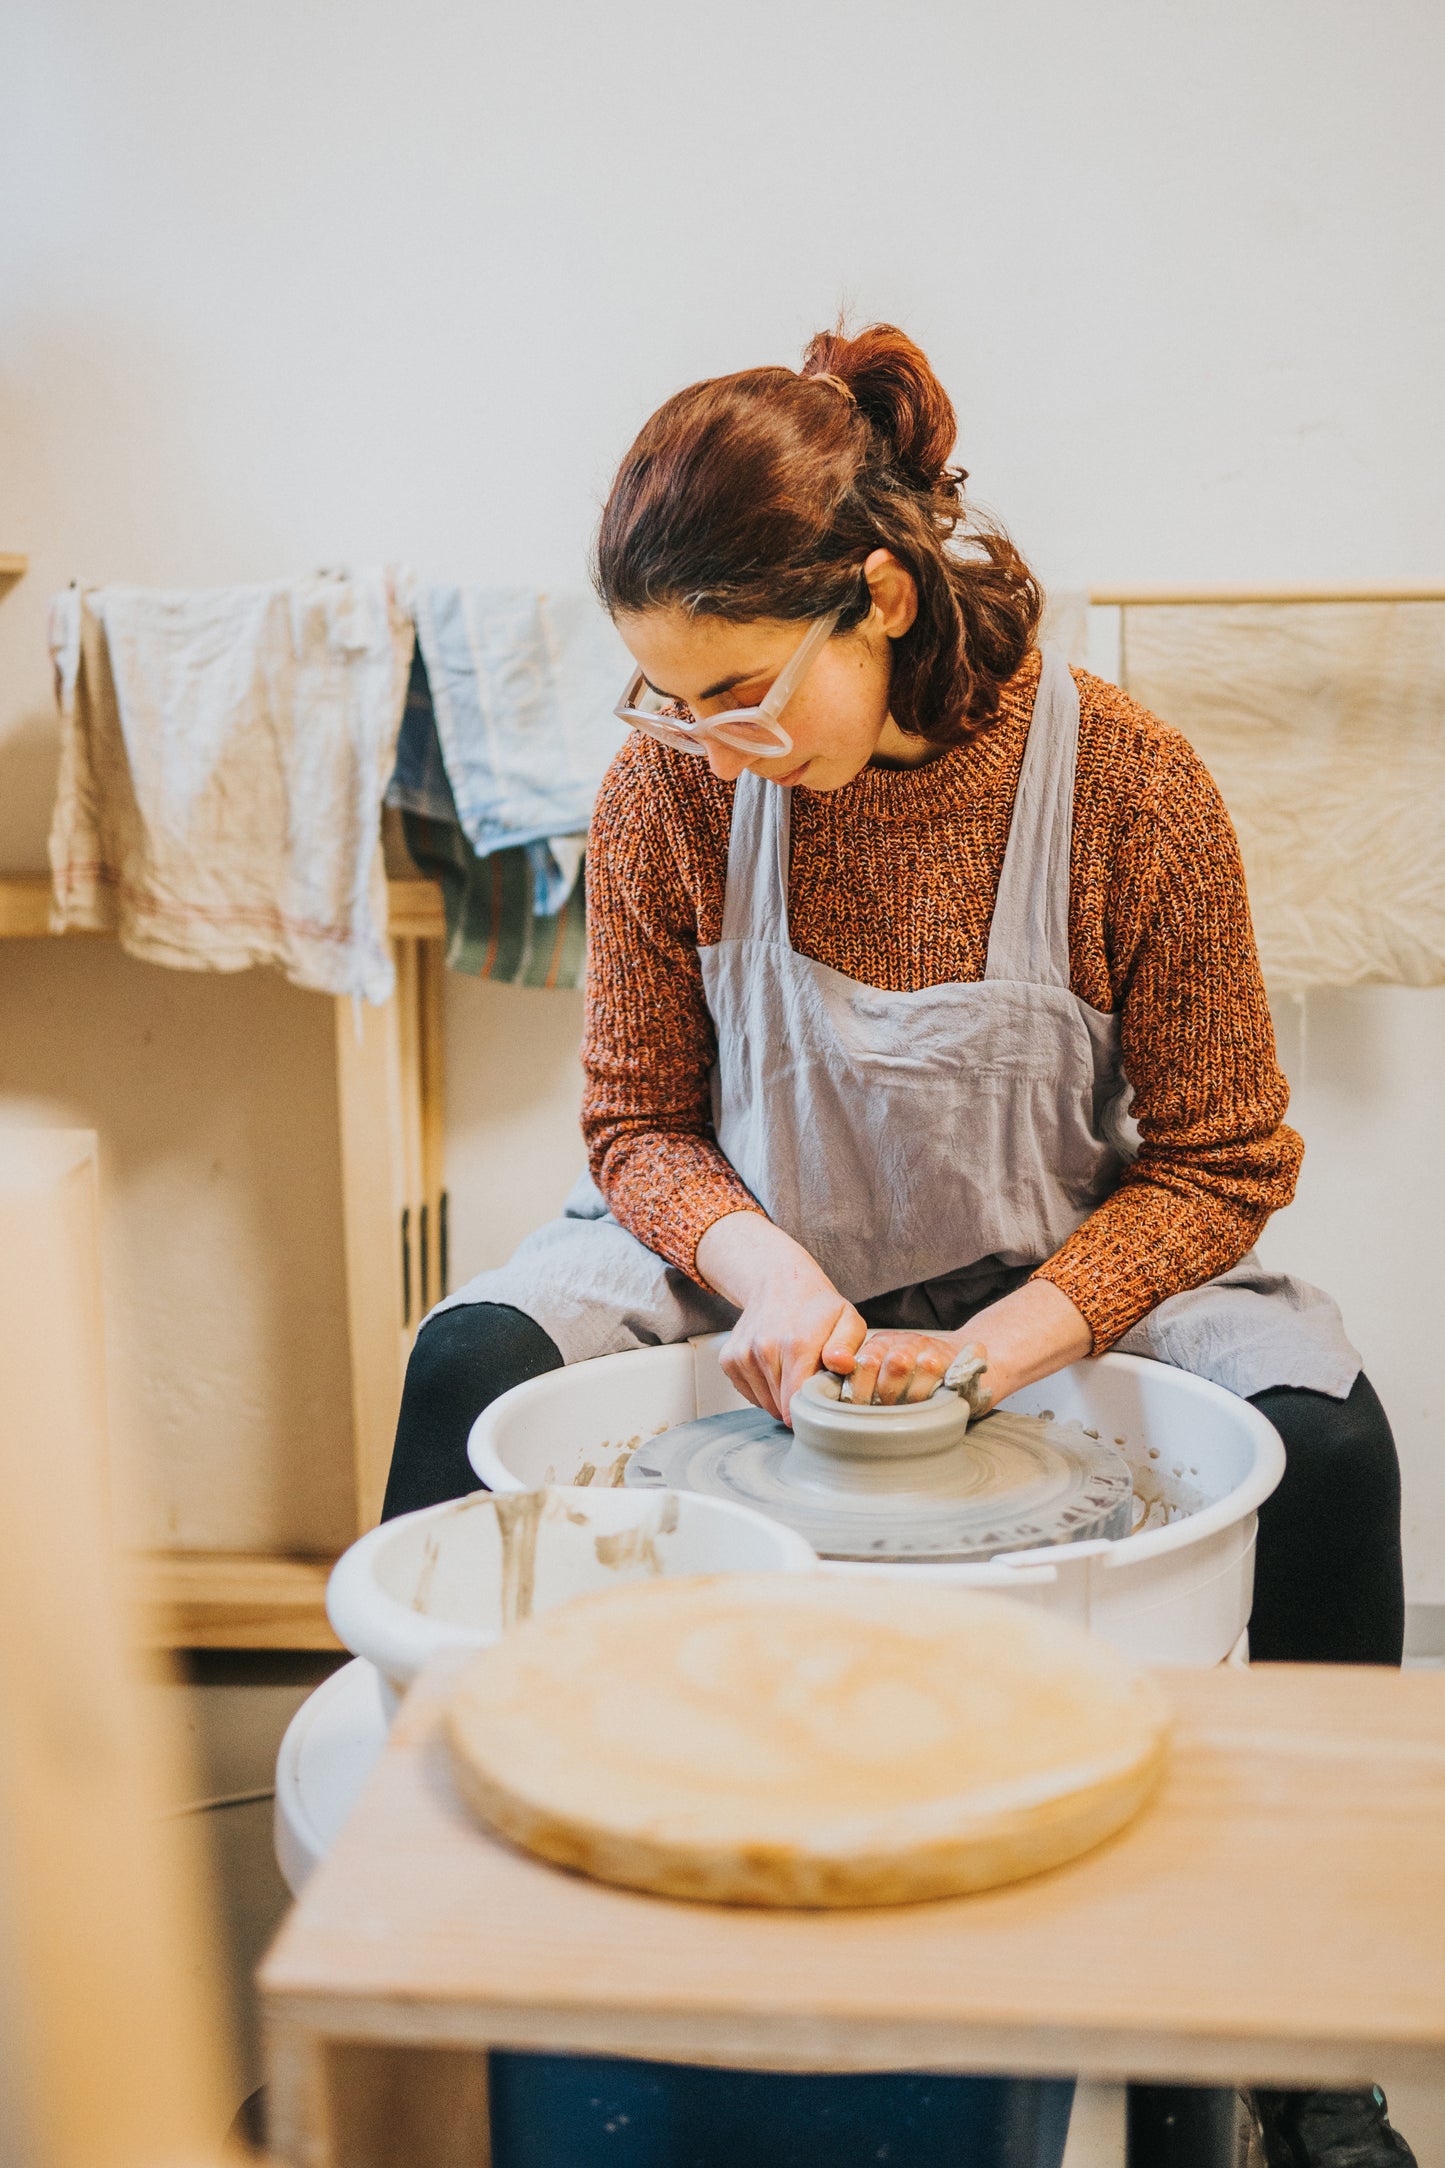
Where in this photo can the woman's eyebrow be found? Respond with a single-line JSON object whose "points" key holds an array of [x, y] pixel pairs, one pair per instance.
{"points": [[711, 692]]}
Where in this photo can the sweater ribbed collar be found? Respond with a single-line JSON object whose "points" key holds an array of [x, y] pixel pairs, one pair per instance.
{"points": [[963, 774]]}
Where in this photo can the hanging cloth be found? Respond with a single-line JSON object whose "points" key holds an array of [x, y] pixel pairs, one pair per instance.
{"points": [[223, 760]]}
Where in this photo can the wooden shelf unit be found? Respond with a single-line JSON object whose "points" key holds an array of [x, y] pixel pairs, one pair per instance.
{"points": [[389, 1102]]}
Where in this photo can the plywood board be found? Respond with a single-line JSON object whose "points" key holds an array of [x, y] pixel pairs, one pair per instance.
{"points": [[215, 1101], [1275, 1915], [115, 2061]]}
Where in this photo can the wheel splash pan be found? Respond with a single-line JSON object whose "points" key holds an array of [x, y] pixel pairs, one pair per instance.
{"points": [[1013, 1483]]}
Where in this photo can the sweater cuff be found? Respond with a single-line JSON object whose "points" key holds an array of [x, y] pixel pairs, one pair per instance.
{"points": [[668, 1197], [1142, 1246]]}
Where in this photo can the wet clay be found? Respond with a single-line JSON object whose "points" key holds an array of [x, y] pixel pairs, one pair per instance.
{"points": [[1010, 1482]]}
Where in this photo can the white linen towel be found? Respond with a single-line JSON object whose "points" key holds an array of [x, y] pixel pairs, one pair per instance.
{"points": [[223, 759], [1324, 726]]}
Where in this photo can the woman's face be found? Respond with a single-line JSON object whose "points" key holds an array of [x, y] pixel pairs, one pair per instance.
{"points": [[837, 719]]}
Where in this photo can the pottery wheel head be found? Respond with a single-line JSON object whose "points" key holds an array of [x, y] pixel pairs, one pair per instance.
{"points": [[901, 1483]]}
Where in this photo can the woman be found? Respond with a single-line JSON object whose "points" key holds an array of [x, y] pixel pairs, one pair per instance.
{"points": [[923, 1004]]}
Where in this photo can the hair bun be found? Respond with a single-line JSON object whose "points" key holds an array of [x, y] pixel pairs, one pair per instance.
{"points": [[890, 380]]}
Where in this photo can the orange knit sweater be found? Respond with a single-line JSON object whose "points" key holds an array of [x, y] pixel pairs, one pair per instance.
{"points": [[892, 883]]}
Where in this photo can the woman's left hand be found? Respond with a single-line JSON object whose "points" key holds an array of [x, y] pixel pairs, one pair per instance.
{"points": [[1023, 1336], [896, 1366]]}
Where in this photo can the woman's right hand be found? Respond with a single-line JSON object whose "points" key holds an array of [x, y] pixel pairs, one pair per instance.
{"points": [[794, 1321]]}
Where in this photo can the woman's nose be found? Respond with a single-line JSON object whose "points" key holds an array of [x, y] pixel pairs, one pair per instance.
{"points": [[725, 761]]}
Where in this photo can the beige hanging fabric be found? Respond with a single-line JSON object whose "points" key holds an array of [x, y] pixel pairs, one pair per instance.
{"points": [[223, 759], [1324, 726]]}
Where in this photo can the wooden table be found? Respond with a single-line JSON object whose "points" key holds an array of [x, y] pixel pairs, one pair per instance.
{"points": [[1278, 1915]]}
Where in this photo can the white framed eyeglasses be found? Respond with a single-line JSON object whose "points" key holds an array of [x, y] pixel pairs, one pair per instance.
{"points": [[747, 730]]}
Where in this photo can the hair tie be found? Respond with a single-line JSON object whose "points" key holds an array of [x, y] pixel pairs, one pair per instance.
{"points": [[823, 377]]}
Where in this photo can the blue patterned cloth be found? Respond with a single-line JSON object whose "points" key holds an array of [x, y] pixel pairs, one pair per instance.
{"points": [[523, 685]]}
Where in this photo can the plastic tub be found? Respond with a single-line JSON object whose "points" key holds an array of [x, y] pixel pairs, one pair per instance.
{"points": [[433, 1580], [330, 1748], [1173, 1594]]}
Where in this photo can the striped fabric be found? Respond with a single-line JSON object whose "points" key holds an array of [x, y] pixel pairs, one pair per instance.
{"points": [[493, 928], [498, 923]]}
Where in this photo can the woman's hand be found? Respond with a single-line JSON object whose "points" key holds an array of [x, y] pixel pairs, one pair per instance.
{"points": [[895, 1365], [794, 1321]]}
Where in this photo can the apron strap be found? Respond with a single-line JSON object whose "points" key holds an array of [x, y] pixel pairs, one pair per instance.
{"points": [[1028, 937], [755, 905]]}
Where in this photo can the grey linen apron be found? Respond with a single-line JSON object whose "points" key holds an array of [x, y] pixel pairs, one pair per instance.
{"points": [[929, 1149]]}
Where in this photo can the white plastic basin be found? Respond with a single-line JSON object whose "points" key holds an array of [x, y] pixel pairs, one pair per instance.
{"points": [[432, 1580], [1177, 1594], [330, 1748]]}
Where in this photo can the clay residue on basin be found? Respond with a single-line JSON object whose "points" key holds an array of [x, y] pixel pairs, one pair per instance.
{"points": [[431, 1552], [637, 1546], [519, 1515], [599, 1473], [1163, 1493]]}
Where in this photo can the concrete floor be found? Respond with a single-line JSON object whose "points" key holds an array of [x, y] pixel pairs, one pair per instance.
{"points": [[234, 1708]]}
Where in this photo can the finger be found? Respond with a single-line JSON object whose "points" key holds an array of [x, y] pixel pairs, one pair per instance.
{"points": [[802, 1360], [768, 1362], [864, 1382], [843, 1342], [928, 1371], [895, 1374], [741, 1367]]}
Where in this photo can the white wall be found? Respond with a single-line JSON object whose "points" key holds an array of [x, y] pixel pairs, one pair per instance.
{"points": [[290, 284]]}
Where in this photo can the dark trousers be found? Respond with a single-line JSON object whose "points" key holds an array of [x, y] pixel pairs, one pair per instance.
{"points": [[1328, 1582], [1328, 1588]]}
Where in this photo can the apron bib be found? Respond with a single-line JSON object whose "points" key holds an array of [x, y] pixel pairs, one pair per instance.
{"points": [[931, 1148]]}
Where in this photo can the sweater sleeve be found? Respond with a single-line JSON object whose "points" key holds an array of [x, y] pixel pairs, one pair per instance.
{"points": [[649, 1046], [1216, 1158]]}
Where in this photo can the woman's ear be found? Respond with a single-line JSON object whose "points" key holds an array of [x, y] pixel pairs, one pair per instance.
{"points": [[894, 591]]}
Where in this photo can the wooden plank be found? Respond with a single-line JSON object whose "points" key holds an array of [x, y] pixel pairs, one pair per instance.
{"points": [[25, 909], [1384, 591], [103, 1942], [230, 1600], [13, 567], [381, 1289], [431, 1118], [414, 910], [1274, 1916]]}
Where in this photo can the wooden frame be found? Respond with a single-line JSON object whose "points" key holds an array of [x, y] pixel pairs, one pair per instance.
{"points": [[1134, 598], [389, 1102]]}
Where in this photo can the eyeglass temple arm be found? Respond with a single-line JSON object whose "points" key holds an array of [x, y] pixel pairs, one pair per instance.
{"points": [[788, 677]]}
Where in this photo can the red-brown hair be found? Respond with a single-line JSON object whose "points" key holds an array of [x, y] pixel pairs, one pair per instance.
{"points": [[761, 494]]}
